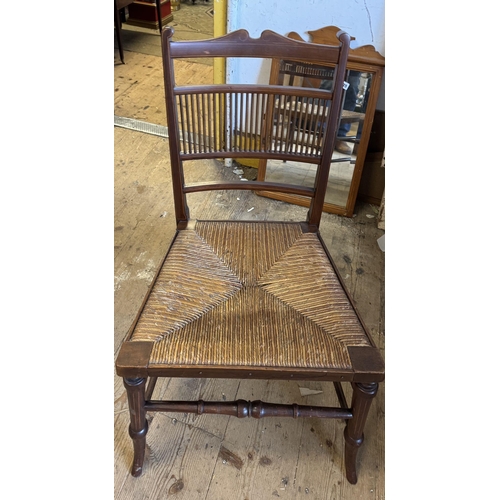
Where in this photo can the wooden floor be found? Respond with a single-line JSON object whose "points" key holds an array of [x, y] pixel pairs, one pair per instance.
{"points": [[220, 457]]}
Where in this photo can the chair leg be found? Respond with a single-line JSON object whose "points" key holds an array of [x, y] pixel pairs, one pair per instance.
{"points": [[118, 25], [361, 400], [138, 428], [158, 13]]}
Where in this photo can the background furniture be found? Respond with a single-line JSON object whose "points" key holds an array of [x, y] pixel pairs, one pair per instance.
{"points": [[153, 14], [367, 66], [149, 14], [233, 299], [119, 5]]}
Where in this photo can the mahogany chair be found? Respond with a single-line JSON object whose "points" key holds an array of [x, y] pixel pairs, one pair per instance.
{"points": [[249, 299]]}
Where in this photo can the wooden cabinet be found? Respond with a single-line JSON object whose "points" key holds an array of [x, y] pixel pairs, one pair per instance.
{"points": [[144, 13]]}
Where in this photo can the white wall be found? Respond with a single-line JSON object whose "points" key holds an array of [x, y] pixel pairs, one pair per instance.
{"points": [[363, 19]]}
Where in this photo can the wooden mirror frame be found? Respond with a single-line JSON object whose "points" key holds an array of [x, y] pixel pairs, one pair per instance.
{"points": [[363, 59]]}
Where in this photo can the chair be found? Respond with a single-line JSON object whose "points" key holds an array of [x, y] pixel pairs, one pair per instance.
{"points": [[118, 27], [121, 4], [249, 299]]}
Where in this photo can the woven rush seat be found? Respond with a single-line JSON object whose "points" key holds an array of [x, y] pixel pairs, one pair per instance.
{"points": [[245, 294]]}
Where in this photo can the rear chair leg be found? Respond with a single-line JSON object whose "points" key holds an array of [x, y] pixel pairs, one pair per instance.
{"points": [[138, 424], [361, 400]]}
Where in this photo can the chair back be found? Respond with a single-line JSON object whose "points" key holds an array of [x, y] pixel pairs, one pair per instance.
{"points": [[254, 120]]}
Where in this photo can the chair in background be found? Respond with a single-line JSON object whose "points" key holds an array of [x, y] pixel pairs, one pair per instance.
{"points": [[121, 4], [250, 299]]}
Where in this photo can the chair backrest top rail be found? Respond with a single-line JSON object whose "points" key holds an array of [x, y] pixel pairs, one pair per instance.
{"points": [[268, 45]]}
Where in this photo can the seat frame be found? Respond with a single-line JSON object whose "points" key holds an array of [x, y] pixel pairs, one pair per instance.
{"points": [[133, 361]]}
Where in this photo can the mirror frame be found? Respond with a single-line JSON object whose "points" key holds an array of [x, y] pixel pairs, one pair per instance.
{"points": [[364, 59]]}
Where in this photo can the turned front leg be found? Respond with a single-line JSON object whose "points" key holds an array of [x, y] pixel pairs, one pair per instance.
{"points": [[361, 400], [136, 389]]}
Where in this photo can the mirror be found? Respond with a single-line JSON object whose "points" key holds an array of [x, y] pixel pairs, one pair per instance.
{"points": [[364, 74]]}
